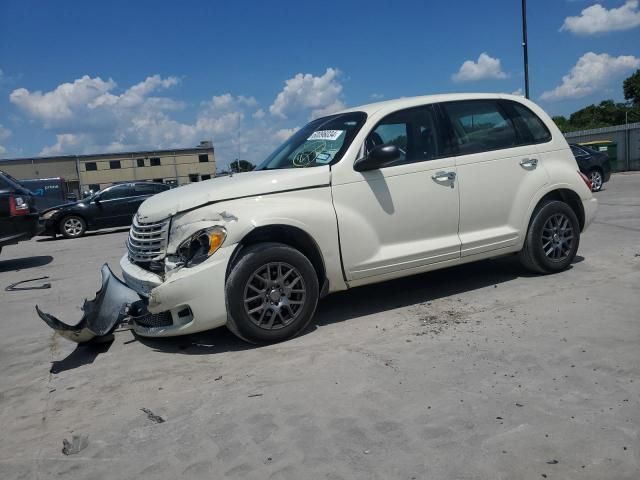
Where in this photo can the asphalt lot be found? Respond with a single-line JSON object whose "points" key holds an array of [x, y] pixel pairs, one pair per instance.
{"points": [[476, 372]]}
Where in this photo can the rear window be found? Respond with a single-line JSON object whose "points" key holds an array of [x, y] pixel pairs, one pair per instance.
{"points": [[530, 128]]}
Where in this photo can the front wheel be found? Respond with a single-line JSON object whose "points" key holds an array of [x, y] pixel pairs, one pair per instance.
{"points": [[72, 226], [552, 240], [272, 293]]}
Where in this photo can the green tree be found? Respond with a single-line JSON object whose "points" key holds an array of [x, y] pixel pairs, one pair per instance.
{"points": [[238, 166], [631, 88]]}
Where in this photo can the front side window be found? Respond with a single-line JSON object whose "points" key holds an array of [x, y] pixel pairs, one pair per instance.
{"points": [[117, 191], [321, 142], [480, 126], [414, 131]]}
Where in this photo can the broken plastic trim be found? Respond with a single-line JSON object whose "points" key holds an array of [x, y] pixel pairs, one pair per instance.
{"points": [[101, 315]]}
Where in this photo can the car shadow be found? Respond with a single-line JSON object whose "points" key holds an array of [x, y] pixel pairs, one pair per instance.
{"points": [[82, 355], [96, 233], [214, 341], [24, 263], [366, 300]]}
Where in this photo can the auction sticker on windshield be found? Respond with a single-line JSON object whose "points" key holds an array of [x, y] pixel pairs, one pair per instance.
{"points": [[326, 135]]}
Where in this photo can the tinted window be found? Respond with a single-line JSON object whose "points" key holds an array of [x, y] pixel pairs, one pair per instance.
{"points": [[114, 164], [203, 158], [414, 131], [140, 162], [155, 161], [140, 189], [577, 151], [118, 191], [160, 188], [206, 177], [530, 128], [480, 126], [193, 177], [91, 166]]}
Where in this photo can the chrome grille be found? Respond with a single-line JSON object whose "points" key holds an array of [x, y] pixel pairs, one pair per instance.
{"points": [[147, 241]]}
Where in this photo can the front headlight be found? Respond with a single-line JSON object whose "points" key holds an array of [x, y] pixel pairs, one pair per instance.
{"points": [[200, 246], [49, 214]]}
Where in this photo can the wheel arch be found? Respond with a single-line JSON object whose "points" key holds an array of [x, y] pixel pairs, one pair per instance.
{"points": [[292, 236], [567, 196], [70, 214]]}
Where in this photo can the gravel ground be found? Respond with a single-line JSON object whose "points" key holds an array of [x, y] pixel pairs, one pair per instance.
{"points": [[476, 372]]}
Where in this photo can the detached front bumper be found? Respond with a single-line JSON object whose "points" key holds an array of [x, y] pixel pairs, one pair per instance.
{"points": [[187, 300]]}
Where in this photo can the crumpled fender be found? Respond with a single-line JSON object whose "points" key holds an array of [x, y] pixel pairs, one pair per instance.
{"points": [[101, 315]]}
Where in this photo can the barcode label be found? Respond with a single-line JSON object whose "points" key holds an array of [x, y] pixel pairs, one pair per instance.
{"points": [[325, 135]]}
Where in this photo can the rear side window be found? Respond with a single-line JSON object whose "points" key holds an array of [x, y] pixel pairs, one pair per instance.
{"points": [[162, 188], [530, 128], [414, 131], [480, 126], [119, 191]]}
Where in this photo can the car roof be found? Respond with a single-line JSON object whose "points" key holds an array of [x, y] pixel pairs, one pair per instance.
{"points": [[408, 102]]}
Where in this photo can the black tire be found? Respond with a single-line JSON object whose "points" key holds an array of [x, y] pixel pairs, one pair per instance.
{"points": [[548, 248], [245, 276], [72, 226], [596, 178]]}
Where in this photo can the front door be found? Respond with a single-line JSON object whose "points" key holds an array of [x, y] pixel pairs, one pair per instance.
{"points": [[113, 206], [402, 217]]}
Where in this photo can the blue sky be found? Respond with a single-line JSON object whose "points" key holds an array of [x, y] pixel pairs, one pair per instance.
{"points": [[80, 76]]}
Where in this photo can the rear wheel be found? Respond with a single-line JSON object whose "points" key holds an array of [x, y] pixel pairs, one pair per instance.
{"points": [[597, 180], [552, 240], [72, 226], [272, 293]]}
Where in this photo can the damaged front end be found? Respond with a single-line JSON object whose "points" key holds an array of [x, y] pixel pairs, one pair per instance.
{"points": [[112, 305]]}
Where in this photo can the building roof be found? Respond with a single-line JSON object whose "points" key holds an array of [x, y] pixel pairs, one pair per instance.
{"points": [[205, 147]]}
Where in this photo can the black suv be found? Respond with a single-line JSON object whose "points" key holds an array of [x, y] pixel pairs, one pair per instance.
{"points": [[112, 207], [18, 215], [593, 164]]}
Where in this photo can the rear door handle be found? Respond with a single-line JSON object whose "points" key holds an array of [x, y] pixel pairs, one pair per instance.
{"points": [[529, 163], [444, 176]]}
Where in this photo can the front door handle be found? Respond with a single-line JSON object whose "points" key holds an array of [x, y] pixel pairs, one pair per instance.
{"points": [[444, 176], [529, 163]]}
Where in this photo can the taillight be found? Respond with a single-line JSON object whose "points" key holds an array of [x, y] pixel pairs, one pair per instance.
{"points": [[585, 179], [18, 206]]}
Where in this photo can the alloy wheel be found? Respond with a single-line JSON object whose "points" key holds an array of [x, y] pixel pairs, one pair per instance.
{"points": [[596, 180], [557, 237], [274, 295], [72, 226]]}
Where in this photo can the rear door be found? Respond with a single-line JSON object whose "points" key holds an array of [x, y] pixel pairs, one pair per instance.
{"points": [[498, 170]]}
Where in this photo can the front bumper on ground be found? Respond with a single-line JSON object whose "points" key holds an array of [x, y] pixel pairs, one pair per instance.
{"points": [[192, 299]]}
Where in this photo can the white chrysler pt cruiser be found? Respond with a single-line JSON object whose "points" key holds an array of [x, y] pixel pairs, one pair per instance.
{"points": [[361, 196]]}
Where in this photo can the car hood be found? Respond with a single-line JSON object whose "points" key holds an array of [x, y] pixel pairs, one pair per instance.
{"points": [[80, 204], [241, 185]]}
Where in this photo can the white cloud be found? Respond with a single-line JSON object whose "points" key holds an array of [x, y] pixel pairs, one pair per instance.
{"points": [[518, 92], [91, 115], [4, 132], [322, 95], [597, 19], [591, 73], [377, 96], [486, 67], [284, 133]]}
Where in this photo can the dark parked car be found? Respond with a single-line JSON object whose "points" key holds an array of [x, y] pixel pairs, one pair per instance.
{"points": [[18, 215], [112, 207], [595, 165]]}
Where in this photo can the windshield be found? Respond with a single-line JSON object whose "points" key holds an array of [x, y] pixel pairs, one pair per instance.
{"points": [[320, 142]]}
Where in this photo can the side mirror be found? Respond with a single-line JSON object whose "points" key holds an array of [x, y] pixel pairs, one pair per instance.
{"points": [[379, 157]]}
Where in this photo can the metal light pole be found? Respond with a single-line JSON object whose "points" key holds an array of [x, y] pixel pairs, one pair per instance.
{"points": [[525, 49]]}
